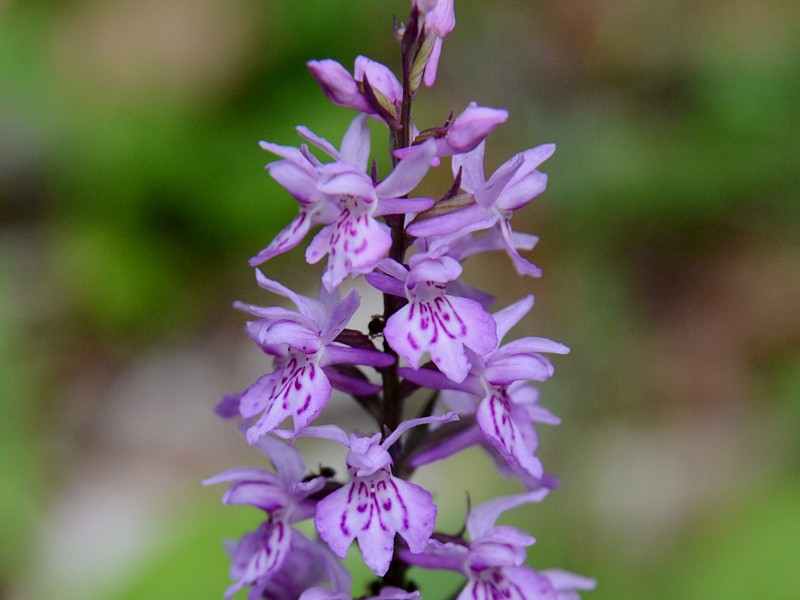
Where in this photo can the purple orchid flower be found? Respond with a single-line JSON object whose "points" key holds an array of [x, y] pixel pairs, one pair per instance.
{"points": [[304, 350], [298, 172], [357, 241], [309, 564], [440, 20], [493, 561], [341, 196], [509, 407], [464, 134], [434, 321], [343, 89], [375, 506], [284, 496], [511, 187]]}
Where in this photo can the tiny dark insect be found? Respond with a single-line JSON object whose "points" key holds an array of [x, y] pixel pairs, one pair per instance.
{"points": [[376, 326]]}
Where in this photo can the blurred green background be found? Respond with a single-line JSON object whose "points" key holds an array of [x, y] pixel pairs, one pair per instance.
{"points": [[132, 193]]}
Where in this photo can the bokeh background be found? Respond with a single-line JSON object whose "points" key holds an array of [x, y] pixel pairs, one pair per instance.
{"points": [[132, 193]]}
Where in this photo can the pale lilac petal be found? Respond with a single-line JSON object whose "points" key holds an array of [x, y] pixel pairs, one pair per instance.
{"points": [[488, 194], [325, 432], [393, 268], [342, 179], [511, 315], [401, 331], [228, 407], [461, 221], [432, 66], [300, 182], [481, 335], [452, 445], [529, 584], [397, 206], [290, 153], [409, 423], [437, 555], [459, 322], [504, 433], [465, 246], [376, 542], [290, 334], [518, 367], [460, 288], [472, 126], [410, 510], [311, 308], [520, 192], [320, 245], [351, 385], [335, 355], [319, 142], [273, 550], [268, 498], [464, 403], [380, 78], [256, 398], [254, 474], [386, 284], [506, 534], [522, 266], [483, 517], [494, 557], [270, 314], [357, 243], [408, 172], [439, 270], [322, 593], [287, 239], [438, 380], [302, 392], [441, 20], [288, 461], [532, 344], [340, 313], [471, 166], [536, 156], [338, 85], [565, 583], [331, 520], [527, 397], [356, 143]]}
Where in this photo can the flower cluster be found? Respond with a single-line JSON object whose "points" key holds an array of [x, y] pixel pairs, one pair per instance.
{"points": [[410, 249]]}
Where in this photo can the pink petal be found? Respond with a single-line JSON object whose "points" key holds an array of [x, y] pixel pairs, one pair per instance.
{"points": [[357, 243], [511, 315], [302, 392], [356, 143], [471, 166], [499, 427], [337, 84], [408, 172], [287, 239], [380, 77]]}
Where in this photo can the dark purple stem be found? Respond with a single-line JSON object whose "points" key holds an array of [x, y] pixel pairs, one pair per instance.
{"points": [[401, 137]]}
